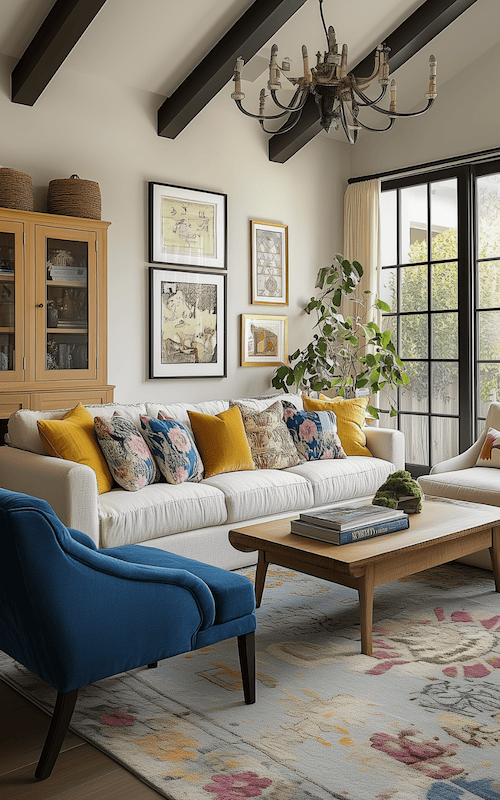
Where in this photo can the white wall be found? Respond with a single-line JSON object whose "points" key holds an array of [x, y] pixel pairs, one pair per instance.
{"points": [[106, 132], [464, 119]]}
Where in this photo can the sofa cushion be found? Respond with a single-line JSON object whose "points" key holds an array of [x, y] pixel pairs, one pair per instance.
{"points": [[173, 448], [222, 441], [475, 485], [343, 479], [23, 431], [315, 434], [261, 403], [270, 441], [73, 438], [262, 492], [179, 411], [158, 510], [129, 459], [350, 415]]}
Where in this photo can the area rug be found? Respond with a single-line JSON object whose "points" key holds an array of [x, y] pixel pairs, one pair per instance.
{"points": [[420, 719]]}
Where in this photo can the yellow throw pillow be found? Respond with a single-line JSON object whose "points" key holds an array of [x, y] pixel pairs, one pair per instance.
{"points": [[73, 438], [222, 441], [350, 420]]}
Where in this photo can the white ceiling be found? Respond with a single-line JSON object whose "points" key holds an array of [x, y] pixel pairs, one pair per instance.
{"points": [[154, 44]]}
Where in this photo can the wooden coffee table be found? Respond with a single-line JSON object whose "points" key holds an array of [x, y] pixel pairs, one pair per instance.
{"points": [[443, 531]]}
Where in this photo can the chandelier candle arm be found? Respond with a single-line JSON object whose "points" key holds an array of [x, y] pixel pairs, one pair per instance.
{"points": [[335, 90]]}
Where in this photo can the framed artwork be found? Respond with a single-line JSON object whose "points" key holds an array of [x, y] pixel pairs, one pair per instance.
{"points": [[264, 340], [187, 324], [187, 226], [269, 263]]}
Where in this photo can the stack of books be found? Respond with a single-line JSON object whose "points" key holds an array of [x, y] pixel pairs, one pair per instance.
{"points": [[346, 524]]}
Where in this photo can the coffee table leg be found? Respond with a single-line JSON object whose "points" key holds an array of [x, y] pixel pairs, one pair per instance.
{"points": [[495, 556], [365, 591], [260, 577]]}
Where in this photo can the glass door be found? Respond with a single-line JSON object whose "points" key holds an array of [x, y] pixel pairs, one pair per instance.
{"points": [[66, 301], [11, 301]]}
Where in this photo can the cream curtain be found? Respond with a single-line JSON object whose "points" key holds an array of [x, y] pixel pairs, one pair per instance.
{"points": [[361, 230]]}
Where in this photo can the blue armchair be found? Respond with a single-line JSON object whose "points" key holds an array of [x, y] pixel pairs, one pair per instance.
{"points": [[73, 614]]}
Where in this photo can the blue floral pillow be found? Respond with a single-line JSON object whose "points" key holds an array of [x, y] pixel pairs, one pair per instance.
{"points": [[314, 434], [173, 448], [129, 459]]}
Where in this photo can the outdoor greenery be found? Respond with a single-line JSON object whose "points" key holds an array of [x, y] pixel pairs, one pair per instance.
{"points": [[348, 353]]}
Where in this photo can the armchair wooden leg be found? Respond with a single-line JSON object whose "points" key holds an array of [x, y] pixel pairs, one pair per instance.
{"points": [[246, 650], [61, 717]]}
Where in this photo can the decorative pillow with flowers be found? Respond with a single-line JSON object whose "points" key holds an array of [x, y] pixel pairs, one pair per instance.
{"points": [[314, 434], [173, 448], [129, 459]]}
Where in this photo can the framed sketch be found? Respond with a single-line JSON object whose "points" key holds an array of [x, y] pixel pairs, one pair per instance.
{"points": [[269, 263], [264, 340], [187, 226], [187, 324]]}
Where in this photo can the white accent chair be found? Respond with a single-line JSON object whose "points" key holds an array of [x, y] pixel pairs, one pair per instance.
{"points": [[458, 478]]}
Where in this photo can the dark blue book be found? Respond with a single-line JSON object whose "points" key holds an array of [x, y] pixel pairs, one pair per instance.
{"points": [[347, 537]]}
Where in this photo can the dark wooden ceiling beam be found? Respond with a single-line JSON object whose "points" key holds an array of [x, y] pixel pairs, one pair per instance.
{"points": [[245, 38], [59, 32], [405, 41]]}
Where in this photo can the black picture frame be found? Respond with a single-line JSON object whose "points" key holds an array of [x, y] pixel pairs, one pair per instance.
{"points": [[187, 227], [187, 324]]}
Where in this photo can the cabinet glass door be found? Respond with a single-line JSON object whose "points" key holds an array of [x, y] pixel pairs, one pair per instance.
{"points": [[11, 301], [68, 303]]}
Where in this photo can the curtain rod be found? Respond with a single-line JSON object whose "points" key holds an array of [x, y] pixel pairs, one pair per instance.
{"points": [[481, 155]]}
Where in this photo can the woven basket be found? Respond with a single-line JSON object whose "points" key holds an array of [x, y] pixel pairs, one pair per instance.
{"points": [[74, 197], [16, 190]]}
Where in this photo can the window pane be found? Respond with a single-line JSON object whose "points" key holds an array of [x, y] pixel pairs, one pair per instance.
{"points": [[444, 398], [391, 324], [488, 387], [445, 335], [414, 336], [415, 397], [388, 228], [444, 219], [488, 279], [444, 439], [489, 335], [414, 295], [444, 286], [7, 300], [488, 215], [388, 287], [416, 431], [386, 421], [413, 224]]}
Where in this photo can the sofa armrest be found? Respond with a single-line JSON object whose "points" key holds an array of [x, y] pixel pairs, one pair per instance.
{"points": [[69, 488], [386, 443]]}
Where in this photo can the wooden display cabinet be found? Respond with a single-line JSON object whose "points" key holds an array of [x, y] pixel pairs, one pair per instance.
{"points": [[53, 311]]}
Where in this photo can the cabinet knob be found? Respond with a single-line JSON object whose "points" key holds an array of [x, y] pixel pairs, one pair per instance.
{"points": [[40, 305]]}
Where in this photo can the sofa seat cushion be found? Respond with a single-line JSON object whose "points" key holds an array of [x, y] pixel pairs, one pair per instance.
{"points": [[233, 594], [476, 485], [262, 492], [158, 510], [343, 479]]}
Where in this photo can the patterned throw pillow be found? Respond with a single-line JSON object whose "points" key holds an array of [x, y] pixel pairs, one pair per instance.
{"points": [[129, 459], [315, 434], [269, 438], [490, 451], [174, 449]]}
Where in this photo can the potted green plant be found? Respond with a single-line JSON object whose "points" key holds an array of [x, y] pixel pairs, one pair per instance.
{"points": [[349, 353]]}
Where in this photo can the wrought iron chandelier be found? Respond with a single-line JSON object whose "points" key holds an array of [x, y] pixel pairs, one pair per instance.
{"points": [[339, 94]]}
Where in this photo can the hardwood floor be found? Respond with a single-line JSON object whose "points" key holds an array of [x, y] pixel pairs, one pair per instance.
{"points": [[81, 772]]}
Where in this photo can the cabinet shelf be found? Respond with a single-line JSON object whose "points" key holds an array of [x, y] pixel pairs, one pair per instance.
{"points": [[6, 277], [68, 284], [7, 330], [67, 330]]}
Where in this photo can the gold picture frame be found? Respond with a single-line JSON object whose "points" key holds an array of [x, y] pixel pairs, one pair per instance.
{"points": [[264, 340], [269, 263]]}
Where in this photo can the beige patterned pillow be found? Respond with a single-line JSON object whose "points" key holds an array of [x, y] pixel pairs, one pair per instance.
{"points": [[268, 436]]}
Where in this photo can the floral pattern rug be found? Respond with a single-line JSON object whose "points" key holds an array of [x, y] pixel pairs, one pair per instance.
{"points": [[420, 719]]}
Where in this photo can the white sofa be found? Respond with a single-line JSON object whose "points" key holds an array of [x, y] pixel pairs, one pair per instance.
{"points": [[191, 519], [458, 478]]}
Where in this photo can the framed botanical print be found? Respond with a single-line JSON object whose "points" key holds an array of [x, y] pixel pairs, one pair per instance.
{"points": [[187, 324], [269, 263], [264, 340], [187, 226]]}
